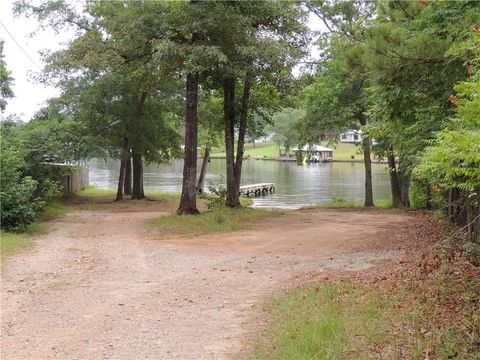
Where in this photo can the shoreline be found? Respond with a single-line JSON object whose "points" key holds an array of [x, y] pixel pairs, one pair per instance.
{"points": [[293, 161]]}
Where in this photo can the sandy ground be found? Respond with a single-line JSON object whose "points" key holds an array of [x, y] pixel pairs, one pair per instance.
{"points": [[100, 286]]}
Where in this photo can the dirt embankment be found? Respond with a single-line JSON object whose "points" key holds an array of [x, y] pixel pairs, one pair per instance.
{"points": [[99, 285]]}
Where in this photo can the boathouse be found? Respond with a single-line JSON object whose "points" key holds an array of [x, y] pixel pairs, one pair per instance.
{"points": [[314, 153]]}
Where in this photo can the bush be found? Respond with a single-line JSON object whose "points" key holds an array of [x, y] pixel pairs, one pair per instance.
{"points": [[217, 197], [19, 203], [27, 183], [19, 206], [418, 197]]}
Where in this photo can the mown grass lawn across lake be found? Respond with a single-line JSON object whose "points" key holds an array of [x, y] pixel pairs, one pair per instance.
{"points": [[270, 150]]}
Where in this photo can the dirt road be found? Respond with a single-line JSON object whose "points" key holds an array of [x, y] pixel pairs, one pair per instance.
{"points": [[100, 286]]}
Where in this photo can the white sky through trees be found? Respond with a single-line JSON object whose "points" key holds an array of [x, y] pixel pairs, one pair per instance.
{"points": [[23, 60]]}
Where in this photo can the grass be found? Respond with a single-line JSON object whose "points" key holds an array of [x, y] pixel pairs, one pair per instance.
{"points": [[264, 149], [412, 317], [426, 309], [340, 202], [327, 321], [92, 191], [342, 151], [14, 242], [217, 220], [52, 211]]}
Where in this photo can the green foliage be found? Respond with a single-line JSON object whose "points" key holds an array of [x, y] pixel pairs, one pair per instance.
{"points": [[283, 128], [5, 80], [19, 203], [216, 197], [452, 159], [421, 198], [414, 62], [28, 182]]}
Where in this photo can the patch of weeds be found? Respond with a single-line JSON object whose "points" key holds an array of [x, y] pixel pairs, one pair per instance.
{"points": [[438, 215], [338, 200], [35, 229], [341, 202], [92, 191], [217, 220], [328, 321], [13, 242], [53, 210], [217, 196], [425, 310]]}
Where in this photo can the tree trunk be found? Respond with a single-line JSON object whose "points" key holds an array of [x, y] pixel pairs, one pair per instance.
{"points": [[137, 188], [188, 200], [428, 198], [123, 167], [137, 191], [242, 130], [367, 160], [121, 179], [476, 225], [203, 171], [127, 187], [394, 184], [403, 174], [469, 217], [405, 190], [233, 199]]}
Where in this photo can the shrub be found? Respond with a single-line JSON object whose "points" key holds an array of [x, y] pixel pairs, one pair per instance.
{"points": [[19, 206], [217, 197], [419, 197], [19, 203]]}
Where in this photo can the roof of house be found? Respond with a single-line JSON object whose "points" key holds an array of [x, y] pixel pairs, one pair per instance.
{"points": [[313, 147]]}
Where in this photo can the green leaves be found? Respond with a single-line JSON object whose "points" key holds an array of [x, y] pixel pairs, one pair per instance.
{"points": [[452, 160], [5, 81]]}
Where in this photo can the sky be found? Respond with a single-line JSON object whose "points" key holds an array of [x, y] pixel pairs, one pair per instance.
{"points": [[24, 61]]}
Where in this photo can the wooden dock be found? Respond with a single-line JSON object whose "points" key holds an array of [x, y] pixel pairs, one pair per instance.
{"points": [[257, 189]]}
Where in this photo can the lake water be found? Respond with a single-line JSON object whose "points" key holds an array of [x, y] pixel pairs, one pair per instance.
{"points": [[296, 185]]}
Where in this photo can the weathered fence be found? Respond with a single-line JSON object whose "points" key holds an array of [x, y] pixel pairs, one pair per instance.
{"points": [[75, 180]]}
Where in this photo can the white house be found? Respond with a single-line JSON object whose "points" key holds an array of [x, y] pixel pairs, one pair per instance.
{"points": [[351, 136]]}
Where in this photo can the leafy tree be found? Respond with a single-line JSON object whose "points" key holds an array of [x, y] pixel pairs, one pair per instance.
{"points": [[339, 99], [284, 129], [5, 80], [113, 81], [412, 77], [261, 41], [452, 160], [19, 204]]}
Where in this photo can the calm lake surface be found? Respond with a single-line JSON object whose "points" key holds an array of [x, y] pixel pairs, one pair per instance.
{"points": [[296, 185]]}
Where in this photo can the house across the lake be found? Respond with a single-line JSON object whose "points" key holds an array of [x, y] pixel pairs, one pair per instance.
{"points": [[351, 136], [314, 153]]}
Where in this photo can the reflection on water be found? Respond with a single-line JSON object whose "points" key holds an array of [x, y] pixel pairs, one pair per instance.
{"points": [[296, 185]]}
